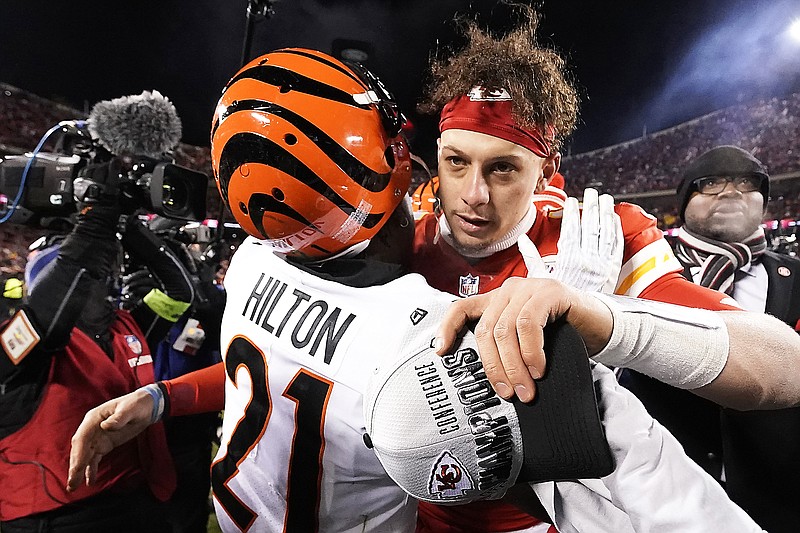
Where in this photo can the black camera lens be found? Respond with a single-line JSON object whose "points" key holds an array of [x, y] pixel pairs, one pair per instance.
{"points": [[178, 192], [174, 196]]}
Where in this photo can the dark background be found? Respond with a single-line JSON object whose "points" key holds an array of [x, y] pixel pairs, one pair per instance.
{"points": [[640, 65]]}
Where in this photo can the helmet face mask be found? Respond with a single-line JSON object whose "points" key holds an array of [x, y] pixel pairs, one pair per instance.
{"points": [[308, 154]]}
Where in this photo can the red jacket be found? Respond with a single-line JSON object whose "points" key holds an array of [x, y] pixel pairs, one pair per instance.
{"points": [[35, 459]]}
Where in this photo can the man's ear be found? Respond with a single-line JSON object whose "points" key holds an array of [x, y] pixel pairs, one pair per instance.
{"points": [[549, 169]]}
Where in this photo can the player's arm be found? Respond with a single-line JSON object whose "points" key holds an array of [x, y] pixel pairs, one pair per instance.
{"points": [[760, 370], [673, 288], [105, 427], [201, 391], [651, 271], [735, 358], [117, 421]]}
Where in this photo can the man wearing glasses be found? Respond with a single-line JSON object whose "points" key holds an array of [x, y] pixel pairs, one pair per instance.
{"points": [[722, 198]]}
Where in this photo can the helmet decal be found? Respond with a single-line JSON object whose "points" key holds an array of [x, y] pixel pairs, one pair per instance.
{"points": [[283, 78]]}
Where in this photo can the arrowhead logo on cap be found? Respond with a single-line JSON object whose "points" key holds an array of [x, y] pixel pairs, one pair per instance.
{"points": [[449, 478]]}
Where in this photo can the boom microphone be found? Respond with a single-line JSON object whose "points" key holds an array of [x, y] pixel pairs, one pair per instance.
{"points": [[146, 124]]}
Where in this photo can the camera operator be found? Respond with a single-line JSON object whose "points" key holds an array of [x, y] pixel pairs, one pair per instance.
{"points": [[69, 347], [191, 343], [65, 350]]}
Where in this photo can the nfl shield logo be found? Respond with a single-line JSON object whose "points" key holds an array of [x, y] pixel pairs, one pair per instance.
{"points": [[134, 344], [468, 285]]}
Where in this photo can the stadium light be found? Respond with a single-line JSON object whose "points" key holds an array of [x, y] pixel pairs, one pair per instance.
{"points": [[794, 30]]}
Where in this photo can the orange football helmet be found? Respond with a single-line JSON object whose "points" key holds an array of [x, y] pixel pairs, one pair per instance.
{"points": [[308, 152], [425, 198]]}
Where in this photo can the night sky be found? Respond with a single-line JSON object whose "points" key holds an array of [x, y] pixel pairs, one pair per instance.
{"points": [[638, 64]]}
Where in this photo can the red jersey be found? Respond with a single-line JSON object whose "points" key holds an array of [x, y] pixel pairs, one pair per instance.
{"points": [[648, 270]]}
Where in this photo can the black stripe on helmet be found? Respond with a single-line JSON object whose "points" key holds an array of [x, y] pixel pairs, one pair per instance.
{"points": [[320, 249], [350, 165], [261, 204], [324, 61], [248, 147], [288, 80]]}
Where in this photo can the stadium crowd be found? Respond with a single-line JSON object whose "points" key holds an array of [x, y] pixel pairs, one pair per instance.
{"points": [[26, 117], [769, 129], [14, 242]]}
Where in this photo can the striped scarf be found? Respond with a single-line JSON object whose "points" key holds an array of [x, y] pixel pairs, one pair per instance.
{"points": [[719, 261]]}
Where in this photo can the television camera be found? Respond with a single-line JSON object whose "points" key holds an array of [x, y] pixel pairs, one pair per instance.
{"points": [[119, 152], [81, 170]]}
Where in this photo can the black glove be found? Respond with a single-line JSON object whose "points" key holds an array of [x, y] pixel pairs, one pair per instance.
{"points": [[135, 286], [146, 248], [93, 243], [108, 184]]}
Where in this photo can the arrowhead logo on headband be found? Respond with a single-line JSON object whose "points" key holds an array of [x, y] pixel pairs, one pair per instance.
{"points": [[490, 112], [482, 94]]}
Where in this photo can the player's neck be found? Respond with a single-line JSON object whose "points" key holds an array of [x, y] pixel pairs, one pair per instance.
{"points": [[473, 255]]}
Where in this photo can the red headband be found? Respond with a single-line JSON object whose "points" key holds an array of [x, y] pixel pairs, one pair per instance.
{"points": [[489, 112]]}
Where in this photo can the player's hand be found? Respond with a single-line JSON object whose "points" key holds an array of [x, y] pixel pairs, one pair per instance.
{"points": [[104, 428], [510, 332], [590, 245]]}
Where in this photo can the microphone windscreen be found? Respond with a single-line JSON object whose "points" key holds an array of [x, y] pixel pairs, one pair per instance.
{"points": [[145, 124]]}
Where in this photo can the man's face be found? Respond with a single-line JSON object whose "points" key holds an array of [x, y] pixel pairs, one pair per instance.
{"points": [[486, 184], [729, 216]]}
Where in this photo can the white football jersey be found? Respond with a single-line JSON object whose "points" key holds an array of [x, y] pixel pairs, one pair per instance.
{"points": [[298, 351]]}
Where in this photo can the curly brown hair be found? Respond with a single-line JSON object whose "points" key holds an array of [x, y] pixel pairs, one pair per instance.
{"points": [[535, 77]]}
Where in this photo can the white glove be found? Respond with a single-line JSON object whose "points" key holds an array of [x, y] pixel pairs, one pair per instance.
{"points": [[590, 247]]}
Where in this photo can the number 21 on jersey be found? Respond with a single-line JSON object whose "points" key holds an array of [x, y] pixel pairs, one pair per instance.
{"points": [[310, 394]]}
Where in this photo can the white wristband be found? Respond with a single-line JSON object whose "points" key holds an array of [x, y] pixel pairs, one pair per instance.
{"points": [[158, 401], [680, 346]]}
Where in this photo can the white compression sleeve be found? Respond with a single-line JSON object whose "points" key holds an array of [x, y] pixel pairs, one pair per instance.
{"points": [[680, 346]]}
